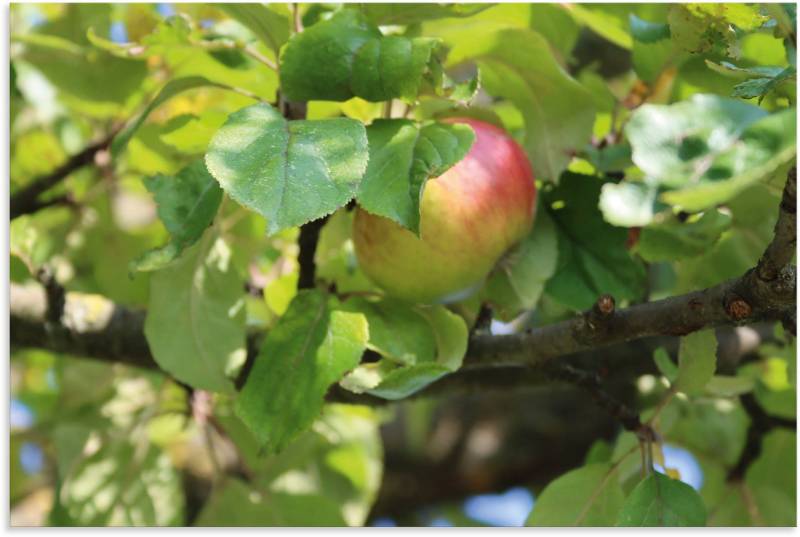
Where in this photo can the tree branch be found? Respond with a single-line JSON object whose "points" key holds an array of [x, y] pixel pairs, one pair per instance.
{"points": [[766, 292], [95, 327], [307, 241], [26, 200]]}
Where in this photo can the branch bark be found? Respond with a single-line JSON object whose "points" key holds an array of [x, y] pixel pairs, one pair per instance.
{"points": [[95, 327], [307, 242], [26, 200]]}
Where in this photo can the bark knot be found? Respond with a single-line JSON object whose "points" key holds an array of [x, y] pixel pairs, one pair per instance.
{"points": [[738, 309]]}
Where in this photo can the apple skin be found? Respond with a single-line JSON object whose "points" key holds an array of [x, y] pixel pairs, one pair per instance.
{"points": [[469, 217]]}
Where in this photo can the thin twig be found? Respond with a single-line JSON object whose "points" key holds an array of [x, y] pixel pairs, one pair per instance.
{"points": [[26, 200], [253, 53], [296, 18]]}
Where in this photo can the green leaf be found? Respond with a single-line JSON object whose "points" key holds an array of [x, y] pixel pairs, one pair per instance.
{"points": [[235, 503], [771, 479], [519, 278], [587, 496], [662, 501], [592, 258], [697, 361], [391, 380], [279, 293], [773, 389], [269, 26], [557, 26], [760, 87], [120, 485], [345, 56], [290, 172], [170, 89], [403, 155], [339, 459], [310, 348], [665, 364], [335, 256], [699, 28], [189, 133], [551, 20], [757, 71], [672, 239], [93, 81], [558, 111], [627, 204], [679, 149], [709, 148], [393, 383], [187, 204], [651, 61], [396, 330], [195, 322], [646, 31], [611, 158], [754, 213], [716, 428], [382, 14], [728, 386], [603, 20], [451, 335], [170, 33], [764, 149], [600, 451]]}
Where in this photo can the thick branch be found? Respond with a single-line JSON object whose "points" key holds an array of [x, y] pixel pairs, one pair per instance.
{"points": [[95, 327], [26, 200], [723, 304]]}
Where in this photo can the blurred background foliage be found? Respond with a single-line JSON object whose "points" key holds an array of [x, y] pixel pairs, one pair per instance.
{"points": [[100, 444]]}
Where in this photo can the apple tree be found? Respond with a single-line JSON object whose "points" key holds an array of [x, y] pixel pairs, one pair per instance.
{"points": [[354, 264]]}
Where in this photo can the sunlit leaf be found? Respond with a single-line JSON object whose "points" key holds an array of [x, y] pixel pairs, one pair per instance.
{"points": [[195, 319], [310, 348], [290, 172], [121, 486]]}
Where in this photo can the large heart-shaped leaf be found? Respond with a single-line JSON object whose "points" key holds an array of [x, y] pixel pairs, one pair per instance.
{"points": [[290, 172]]}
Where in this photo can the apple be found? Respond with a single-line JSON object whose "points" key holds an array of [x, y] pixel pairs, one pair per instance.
{"points": [[469, 217]]}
